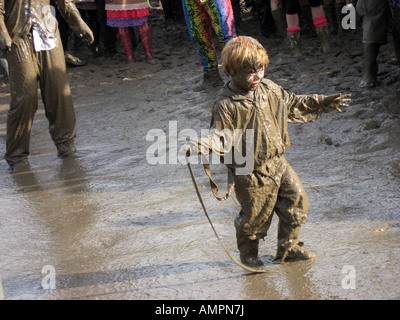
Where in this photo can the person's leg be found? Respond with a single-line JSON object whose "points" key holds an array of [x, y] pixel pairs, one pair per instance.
{"points": [[24, 100], [126, 41], [321, 24], [293, 26], [257, 201], [396, 32], [222, 20], [291, 207], [57, 100], [200, 32], [144, 33], [278, 15], [199, 26]]}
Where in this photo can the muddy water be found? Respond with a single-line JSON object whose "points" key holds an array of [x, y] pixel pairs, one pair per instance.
{"points": [[113, 226]]}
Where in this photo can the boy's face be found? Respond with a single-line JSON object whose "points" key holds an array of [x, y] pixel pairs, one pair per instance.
{"points": [[247, 80]]}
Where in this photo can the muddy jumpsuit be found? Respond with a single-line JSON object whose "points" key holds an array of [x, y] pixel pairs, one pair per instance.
{"points": [[273, 185], [41, 60]]}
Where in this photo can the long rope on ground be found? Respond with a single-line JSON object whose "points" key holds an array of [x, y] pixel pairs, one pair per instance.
{"points": [[215, 232]]}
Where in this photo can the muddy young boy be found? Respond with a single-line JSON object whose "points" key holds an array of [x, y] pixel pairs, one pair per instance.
{"points": [[249, 101]]}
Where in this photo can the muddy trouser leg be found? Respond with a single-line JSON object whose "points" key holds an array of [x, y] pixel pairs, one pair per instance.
{"points": [[291, 207], [253, 222], [57, 100], [23, 105]]}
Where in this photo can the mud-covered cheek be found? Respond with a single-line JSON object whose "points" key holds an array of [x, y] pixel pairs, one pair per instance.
{"points": [[242, 80]]}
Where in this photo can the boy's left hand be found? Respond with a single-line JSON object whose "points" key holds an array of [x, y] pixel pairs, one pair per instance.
{"points": [[339, 100]]}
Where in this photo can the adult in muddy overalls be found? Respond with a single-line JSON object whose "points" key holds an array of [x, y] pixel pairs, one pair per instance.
{"points": [[29, 33]]}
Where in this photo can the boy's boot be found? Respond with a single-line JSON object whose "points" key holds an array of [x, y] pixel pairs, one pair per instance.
{"points": [[248, 251], [289, 247], [371, 51], [331, 17], [294, 40], [321, 25], [280, 22]]}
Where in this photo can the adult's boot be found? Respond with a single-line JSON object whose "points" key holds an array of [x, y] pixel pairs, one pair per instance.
{"points": [[211, 79], [289, 247], [339, 16], [329, 10], [323, 35], [280, 22], [370, 72], [396, 32], [295, 42]]}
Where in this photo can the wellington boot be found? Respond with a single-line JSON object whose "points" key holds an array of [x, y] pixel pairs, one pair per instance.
{"points": [[323, 35], [280, 22], [396, 33], [329, 10], [295, 43], [249, 251], [211, 79], [289, 247], [371, 51]]}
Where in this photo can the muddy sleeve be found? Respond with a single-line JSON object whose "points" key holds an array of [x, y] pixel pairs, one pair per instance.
{"points": [[5, 39], [71, 14], [305, 108]]}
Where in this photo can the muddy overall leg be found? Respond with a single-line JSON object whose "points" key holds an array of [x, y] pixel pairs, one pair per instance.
{"points": [[57, 100], [291, 207], [23, 68], [254, 220]]}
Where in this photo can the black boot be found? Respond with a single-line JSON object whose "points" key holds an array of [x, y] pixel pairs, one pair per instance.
{"points": [[396, 32], [329, 10], [289, 247], [371, 51]]}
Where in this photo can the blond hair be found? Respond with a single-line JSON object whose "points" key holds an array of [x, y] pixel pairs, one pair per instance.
{"points": [[243, 53]]}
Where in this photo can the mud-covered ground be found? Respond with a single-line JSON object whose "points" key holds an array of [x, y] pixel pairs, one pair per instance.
{"points": [[113, 226]]}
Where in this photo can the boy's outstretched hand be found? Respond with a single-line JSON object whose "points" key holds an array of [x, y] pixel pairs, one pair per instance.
{"points": [[338, 101]]}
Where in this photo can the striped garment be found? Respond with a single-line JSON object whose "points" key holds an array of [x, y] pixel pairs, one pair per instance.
{"points": [[127, 13], [200, 18]]}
